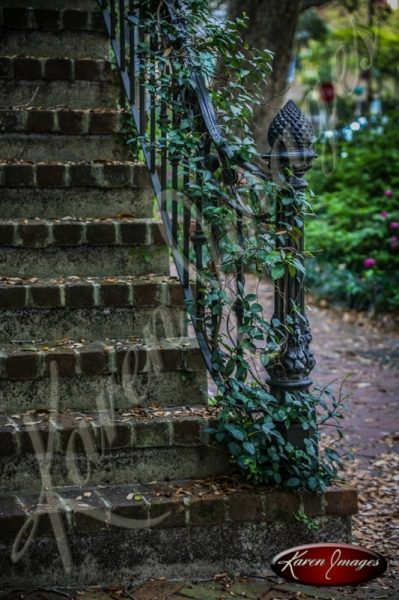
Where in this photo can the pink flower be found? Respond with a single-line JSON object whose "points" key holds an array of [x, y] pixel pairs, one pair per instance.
{"points": [[394, 225], [384, 214], [368, 263], [393, 243], [388, 193]]}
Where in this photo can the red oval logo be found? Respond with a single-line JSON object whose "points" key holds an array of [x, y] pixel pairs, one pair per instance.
{"points": [[328, 564]]}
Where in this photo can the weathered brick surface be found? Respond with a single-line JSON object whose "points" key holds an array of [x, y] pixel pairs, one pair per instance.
{"points": [[18, 175], [341, 501], [79, 296], [58, 68], [15, 17], [7, 234], [101, 234], [44, 296], [51, 19], [40, 121], [75, 19], [12, 296], [34, 235], [70, 121], [84, 174], [22, 365], [64, 360], [27, 68], [68, 234], [115, 294], [6, 67], [93, 362], [48, 175], [47, 18]]}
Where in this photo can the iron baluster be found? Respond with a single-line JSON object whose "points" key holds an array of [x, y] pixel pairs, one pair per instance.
{"points": [[290, 137], [113, 19]]}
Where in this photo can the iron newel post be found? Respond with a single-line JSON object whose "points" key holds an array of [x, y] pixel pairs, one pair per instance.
{"points": [[291, 155]]}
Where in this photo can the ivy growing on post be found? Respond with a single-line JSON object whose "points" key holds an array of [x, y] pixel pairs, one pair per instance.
{"points": [[228, 212]]}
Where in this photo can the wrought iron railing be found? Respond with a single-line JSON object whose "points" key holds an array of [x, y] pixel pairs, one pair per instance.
{"points": [[291, 155]]}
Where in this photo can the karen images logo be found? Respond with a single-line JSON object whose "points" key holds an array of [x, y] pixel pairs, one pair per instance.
{"points": [[329, 564]]}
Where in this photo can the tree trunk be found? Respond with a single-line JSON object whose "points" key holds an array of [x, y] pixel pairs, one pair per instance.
{"points": [[272, 25]]}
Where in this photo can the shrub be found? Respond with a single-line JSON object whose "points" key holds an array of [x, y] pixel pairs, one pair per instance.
{"points": [[355, 240]]}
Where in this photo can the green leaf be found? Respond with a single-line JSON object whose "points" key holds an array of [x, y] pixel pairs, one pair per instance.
{"points": [[278, 272], [250, 448]]}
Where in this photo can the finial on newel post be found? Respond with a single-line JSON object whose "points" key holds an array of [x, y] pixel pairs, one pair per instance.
{"points": [[291, 155]]}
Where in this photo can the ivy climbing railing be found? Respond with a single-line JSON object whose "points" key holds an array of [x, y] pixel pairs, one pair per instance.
{"points": [[226, 210]]}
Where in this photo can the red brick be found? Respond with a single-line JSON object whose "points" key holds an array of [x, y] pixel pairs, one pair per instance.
{"points": [[208, 510], [75, 19], [245, 507], [102, 122], [6, 68], [67, 234], [18, 175], [117, 175], [146, 294], [130, 361], [46, 296], [341, 501], [88, 69], [58, 68], [27, 68], [40, 121], [50, 175], [79, 295], [100, 234], [9, 119], [281, 506], [187, 432], [65, 361], [47, 18], [12, 296], [176, 296], [97, 22], [22, 365], [133, 233], [93, 362], [6, 234], [158, 234], [15, 17], [34, 235], [70, 121], [115, 294], [83, 175]]}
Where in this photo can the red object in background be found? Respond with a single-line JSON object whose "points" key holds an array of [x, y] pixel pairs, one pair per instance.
{"points": [[327, 91], [329, 564]]}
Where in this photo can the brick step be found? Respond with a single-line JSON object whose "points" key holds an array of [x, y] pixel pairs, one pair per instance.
{"points": [[51, 19], [69, 94], [80, 174], [54, 44], [87, 5], [16, 203], [132, 372], [63, 135], [185, 529], [40, 147], [93, 308], [29, 68], [108, 448], [83, 189], [83, 248]]}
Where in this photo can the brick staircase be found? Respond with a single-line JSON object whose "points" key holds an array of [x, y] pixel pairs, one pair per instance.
{"points": [[107, 471]]}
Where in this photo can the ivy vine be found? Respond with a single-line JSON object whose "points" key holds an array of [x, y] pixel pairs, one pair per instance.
{"points": [[254, 423]]}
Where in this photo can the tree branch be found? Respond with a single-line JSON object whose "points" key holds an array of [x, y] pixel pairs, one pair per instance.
{"points": [[311, 3]]}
